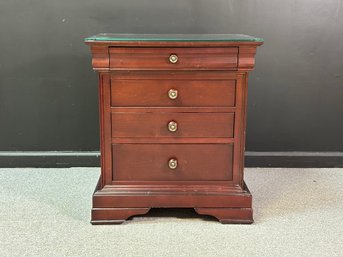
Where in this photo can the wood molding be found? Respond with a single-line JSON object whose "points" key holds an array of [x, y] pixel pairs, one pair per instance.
{"points": [[229, 215], [102, 216], [100, 60], [246, 55], [246, 58]]}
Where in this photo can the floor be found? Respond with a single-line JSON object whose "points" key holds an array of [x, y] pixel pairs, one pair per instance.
{"points": [[46, 212]]}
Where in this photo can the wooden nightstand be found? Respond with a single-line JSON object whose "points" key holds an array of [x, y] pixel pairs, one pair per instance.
{"points": [[172, 119]]}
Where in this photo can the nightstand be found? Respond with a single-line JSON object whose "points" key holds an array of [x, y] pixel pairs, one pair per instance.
{"points": [[172, 121]]}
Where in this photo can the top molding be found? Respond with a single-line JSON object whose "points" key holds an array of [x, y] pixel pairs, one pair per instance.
{"points": [[102, 43], [114, 37]]}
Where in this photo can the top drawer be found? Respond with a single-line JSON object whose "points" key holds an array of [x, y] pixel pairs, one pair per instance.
{"points": [[155, 58]]}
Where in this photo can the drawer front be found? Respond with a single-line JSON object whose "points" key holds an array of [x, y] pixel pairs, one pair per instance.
{"points": [[172, 162], [172, 124], [173, 93], [154, 58]]}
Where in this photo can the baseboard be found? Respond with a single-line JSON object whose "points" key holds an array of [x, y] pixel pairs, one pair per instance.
{"points": [[92, 159], [294, 159], [47, 159]]}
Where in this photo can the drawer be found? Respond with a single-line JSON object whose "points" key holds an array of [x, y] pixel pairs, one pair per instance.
{"points": [[172, 93], [172, 162], [172, 124], [155, 58]]}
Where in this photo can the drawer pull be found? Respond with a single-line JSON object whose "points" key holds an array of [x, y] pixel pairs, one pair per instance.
{"points": [[173, 58], [172, 93], [172, 163], [172, 126]]}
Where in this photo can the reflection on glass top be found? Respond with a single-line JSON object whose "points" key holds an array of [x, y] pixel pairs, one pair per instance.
{"points": [[172, 37]]}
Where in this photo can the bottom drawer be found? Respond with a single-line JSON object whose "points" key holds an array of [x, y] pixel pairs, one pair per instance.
{"points": [[172, 162]]}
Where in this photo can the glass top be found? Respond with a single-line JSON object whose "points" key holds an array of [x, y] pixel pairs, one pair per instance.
{"points": [[173, 37]]}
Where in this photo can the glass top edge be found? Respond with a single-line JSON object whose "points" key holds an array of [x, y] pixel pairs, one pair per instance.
{"points": [[173, 37]]}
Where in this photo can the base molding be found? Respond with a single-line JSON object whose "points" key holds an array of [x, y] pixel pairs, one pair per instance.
{"points": [[101, 216], [113, 205], [229, 215], [116, 216]]}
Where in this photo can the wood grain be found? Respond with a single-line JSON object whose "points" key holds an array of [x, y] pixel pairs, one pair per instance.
{"points": [[228, 215], [190, 93], [197, 58], [150, 162], [210, 110], [105, 131], [246, 58], [115, 215], [156, 124], [100, 60]]}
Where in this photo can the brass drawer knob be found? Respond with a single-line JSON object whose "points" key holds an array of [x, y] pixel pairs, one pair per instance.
{"points": [[172, 126], [172, 163], [172, 93], [173, 58]]}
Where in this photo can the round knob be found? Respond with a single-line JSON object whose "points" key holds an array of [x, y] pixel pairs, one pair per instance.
{"points": [[173, 58], [172, 126], [172, 163], [172, 93]]}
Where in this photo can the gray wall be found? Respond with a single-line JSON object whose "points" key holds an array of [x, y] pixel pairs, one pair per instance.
{"points": [[48, 92]]}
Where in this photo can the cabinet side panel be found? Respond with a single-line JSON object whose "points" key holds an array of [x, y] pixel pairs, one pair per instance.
{"points": [[239, 128], [244, 121], [105, 129]]}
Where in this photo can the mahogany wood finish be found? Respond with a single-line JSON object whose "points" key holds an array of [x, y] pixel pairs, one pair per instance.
{"points": [[137, 145], [196, 58], [150, 92], [194, 162], [228, 215], [115, 215], [156, 124]]}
